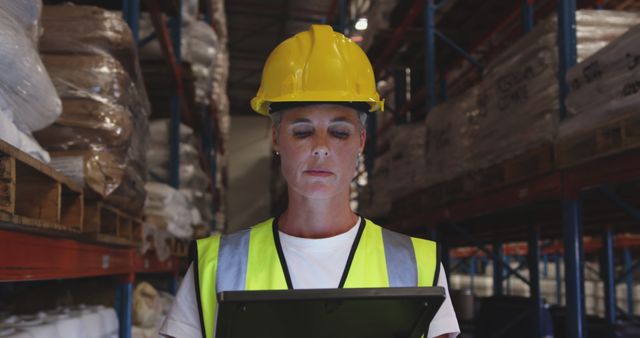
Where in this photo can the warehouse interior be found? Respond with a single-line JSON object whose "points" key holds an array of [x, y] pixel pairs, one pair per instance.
{"points": [[510, 136]]}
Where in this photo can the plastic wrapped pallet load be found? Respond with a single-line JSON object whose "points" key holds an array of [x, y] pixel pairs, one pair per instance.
{"points": [[605, 86], [28, 100], [518, 98], [192, 176], [407, 159], [168, 208], [90, 30], [199, 46], [92, 59], [102, 113], [447, 137]]}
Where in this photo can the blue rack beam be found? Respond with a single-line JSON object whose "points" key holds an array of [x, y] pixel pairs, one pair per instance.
{"points": [[124, 305], [430, 54], [628, 265], [344, 16], [608, 276], [174, 124], [497, 268], [558, 260], [527, 15], [567, 47], [574, 269], [534, 278], [460, 51], [400, 93]]}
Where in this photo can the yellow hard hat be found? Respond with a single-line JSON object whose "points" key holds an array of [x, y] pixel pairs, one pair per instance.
{"points": [[318, 65]]}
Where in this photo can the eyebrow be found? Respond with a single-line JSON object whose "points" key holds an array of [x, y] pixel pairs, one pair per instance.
{"points": [[337, 119]]}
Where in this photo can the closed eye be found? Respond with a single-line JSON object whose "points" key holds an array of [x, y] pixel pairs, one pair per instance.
{"points": [[302, 133], [341, 134]]}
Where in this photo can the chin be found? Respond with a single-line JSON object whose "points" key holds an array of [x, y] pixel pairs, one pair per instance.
{"points": [[318, 191]]}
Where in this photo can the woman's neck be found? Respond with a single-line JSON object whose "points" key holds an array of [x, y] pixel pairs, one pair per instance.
{"points": [[312, 218]]}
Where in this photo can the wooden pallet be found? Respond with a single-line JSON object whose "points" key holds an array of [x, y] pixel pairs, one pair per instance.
{"points": [[534, 162], [179, 247], [606, 139], [34, 195], [107, 224]]}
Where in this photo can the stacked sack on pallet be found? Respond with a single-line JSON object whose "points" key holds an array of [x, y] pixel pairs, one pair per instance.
{"points": [[150, 308], [100, 138], [204, 52], [519, 95], [95, 321], [605, 86], [183, 213], [199, 46], [28, 100]]}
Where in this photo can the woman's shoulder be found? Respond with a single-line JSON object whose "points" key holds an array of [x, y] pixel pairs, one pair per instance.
{"points": [[398, 234]]}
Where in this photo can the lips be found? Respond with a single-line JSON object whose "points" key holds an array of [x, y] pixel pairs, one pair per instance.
{"points": [[318, 172]]}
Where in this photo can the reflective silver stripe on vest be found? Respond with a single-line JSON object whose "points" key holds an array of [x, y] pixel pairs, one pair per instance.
{"points": [[402, 269], [233, 255]]}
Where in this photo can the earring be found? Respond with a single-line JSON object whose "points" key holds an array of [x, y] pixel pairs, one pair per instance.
{"points": [[277, 153]]}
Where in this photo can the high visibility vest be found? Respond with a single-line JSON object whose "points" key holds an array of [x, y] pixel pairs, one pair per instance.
{"points": [[253, 260]]}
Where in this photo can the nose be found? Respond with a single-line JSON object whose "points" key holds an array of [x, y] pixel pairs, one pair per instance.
{"points": [[320, 148]]}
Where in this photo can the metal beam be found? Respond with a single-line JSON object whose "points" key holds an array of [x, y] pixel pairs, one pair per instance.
{"points": [[131, 14], [430, 55], [400, 82], [619, 202], [494, 255], [253, 34], [343, 27], [574, 269], [558, 260], [460, 51], [534, 278], [527, 15], [263, 6], [275, 16], [124, 304], [399, 33], [245, 78], [629, 267], [497, 268], [567, 47], [608, 275], [174, 124]]}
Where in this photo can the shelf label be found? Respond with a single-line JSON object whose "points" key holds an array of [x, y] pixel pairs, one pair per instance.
{"points": [[105, 261]]}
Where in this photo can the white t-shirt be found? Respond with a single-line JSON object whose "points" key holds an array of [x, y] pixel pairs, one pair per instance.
{"points": [[312, 264]]}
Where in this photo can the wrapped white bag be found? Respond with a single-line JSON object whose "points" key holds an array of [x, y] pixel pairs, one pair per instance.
{"points": [[25, 87]]}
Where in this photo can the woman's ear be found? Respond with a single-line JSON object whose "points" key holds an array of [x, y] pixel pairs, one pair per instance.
{"points": [[363, 139]]}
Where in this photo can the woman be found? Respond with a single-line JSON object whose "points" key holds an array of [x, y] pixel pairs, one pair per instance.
{"points": [[316, 87]]}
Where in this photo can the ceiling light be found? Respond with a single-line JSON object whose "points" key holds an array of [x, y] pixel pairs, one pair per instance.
{"points": [[362, 24]]}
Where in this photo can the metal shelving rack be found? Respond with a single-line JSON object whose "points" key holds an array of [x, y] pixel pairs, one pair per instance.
{"points": [[563, 189], [36, 256], [29, 256]]}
